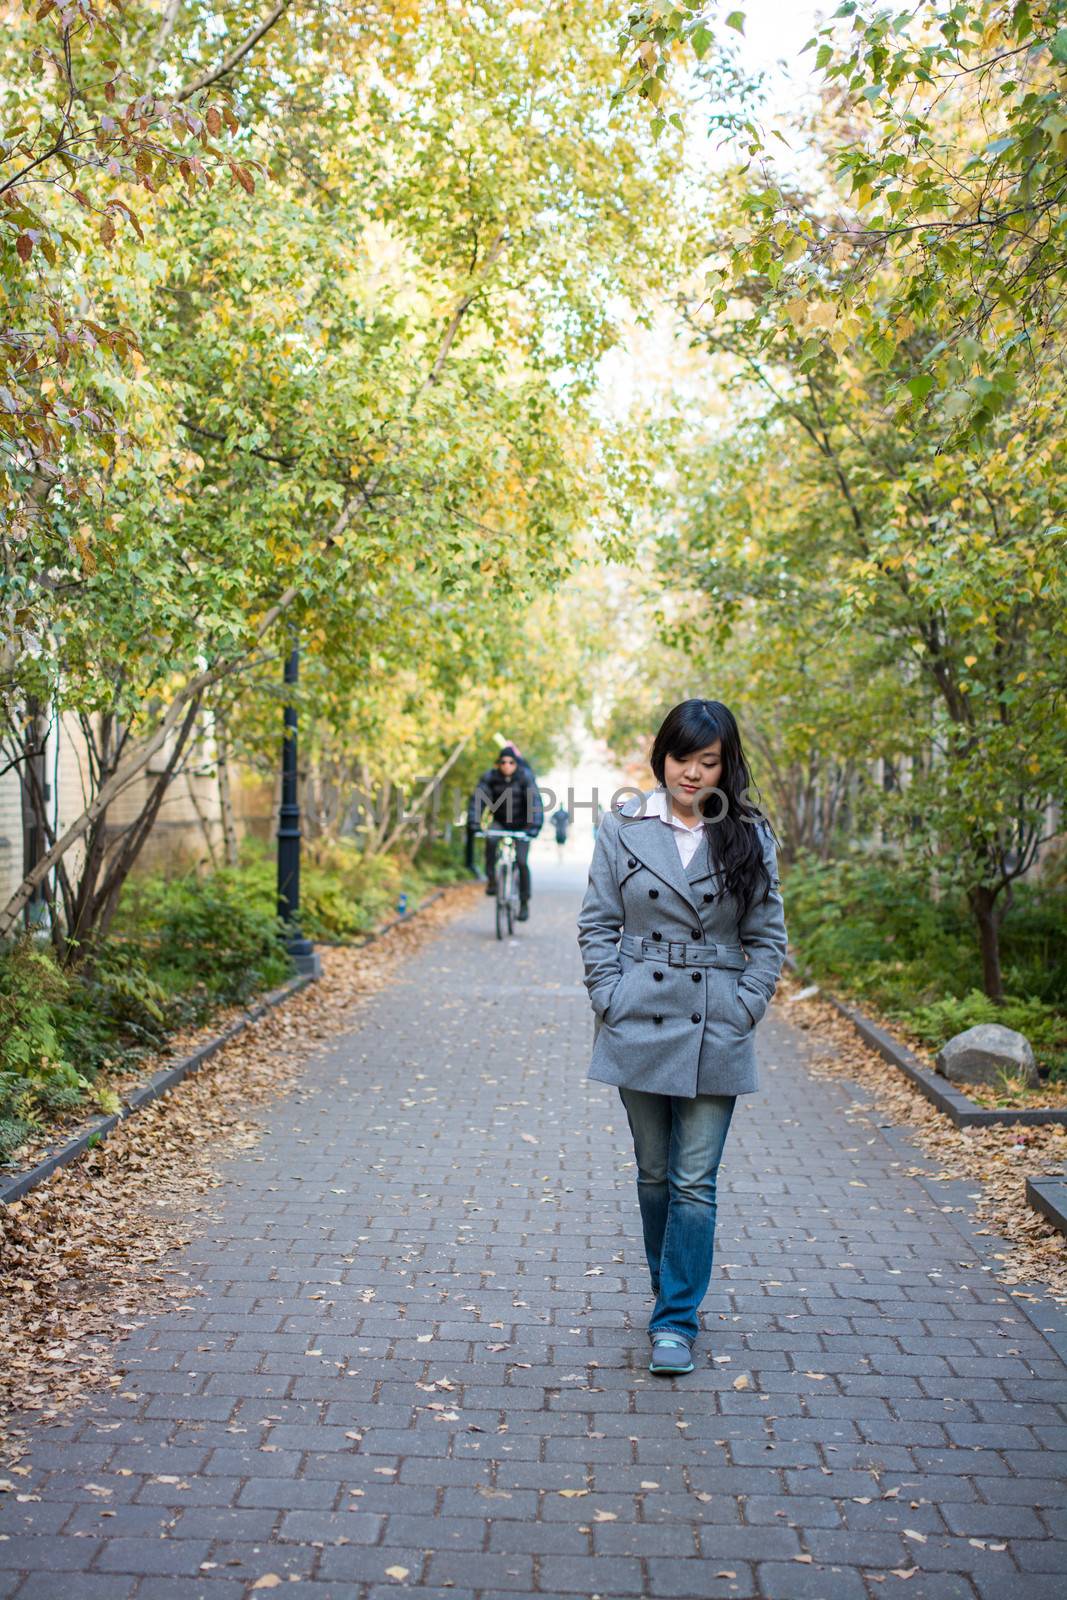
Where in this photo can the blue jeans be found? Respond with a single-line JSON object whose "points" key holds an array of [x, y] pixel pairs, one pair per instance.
{"points": [[678, 1143]]}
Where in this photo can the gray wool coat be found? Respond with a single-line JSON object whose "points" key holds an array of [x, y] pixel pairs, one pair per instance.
{"points": [[674, 1020]]}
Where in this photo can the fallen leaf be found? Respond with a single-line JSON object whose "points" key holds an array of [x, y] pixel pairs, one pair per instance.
{"points": [[269, 1580], [396, 1572]]}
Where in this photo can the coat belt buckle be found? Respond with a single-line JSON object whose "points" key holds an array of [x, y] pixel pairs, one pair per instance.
{"points": [[679, 946]]}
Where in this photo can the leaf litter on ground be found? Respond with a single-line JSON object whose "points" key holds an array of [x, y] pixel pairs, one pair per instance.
{"points": [[996, 1159]]}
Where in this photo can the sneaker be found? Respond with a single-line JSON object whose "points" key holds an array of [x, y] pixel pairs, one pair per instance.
{"points": [[670, 1356], [524, 912], [490, 888]]}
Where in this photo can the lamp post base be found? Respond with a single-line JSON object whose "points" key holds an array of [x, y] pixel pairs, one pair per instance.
{"points": [[305, 957]]}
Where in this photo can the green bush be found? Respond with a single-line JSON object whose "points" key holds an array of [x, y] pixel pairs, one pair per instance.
{"points": [[14, 1131], [344, 894], [870, 924], [182, 947], [210, 939], [114, 1008], [31, 988], [1043, 1025], [36, 1078]]}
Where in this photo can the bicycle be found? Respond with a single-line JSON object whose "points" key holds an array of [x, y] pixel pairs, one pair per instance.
{"points": [[507, 878]]}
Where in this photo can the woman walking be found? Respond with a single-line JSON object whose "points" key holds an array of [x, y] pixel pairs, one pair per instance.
{"points": [[682, 934]]}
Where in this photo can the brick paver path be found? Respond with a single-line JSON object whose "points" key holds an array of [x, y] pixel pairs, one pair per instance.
{"points": [[422, 1347]]}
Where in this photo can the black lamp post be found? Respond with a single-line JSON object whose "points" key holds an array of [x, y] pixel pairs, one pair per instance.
{"points": [[305, 957]]}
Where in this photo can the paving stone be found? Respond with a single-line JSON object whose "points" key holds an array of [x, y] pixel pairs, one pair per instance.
{"points": [[166, 1556], [382, 1415], [74, 1586], [779, 1580]]}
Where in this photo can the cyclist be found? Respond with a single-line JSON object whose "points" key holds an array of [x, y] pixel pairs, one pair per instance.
{"points": [[510, 791]]}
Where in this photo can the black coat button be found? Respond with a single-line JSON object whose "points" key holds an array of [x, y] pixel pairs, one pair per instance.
{"points": [[697, 932], [696, 1016], [653, 894], [657, 936], [696, 977], [631, 862], [657, 1019], [658, 976], [707, 897]]}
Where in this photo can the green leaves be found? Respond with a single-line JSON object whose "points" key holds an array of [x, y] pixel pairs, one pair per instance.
{"points": [[363, 401], [939, 202], [701, 39]]}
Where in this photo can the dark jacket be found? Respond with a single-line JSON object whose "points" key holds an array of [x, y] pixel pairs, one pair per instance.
{"points": [[515, 803]]}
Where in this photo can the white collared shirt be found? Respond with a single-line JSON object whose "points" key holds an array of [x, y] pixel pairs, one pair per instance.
{"points": [[657, 804]]}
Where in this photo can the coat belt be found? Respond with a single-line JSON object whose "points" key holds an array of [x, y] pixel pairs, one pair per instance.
{"points": [[677, 953]]}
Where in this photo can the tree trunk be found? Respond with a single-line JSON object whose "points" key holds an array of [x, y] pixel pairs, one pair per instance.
{"points": [[988, 916], [108, 865], [229, 822], [34, 793], [202, 818]]}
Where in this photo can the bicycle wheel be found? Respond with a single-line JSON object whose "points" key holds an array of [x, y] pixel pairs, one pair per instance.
{"points": [[502, 921], [513, 895]]}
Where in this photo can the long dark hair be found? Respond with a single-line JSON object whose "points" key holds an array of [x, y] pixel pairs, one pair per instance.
{"points": [[731, 817]]}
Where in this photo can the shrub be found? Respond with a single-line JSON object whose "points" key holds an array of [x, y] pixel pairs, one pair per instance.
{"points": [[115, 1008], [14, 1131], [871, 923], [31, 987], [209, 935], [1043, 1025], [36, 1078]]}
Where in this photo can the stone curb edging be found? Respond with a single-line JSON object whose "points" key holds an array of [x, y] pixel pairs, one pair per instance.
{"points": [[22, 1182], [168, 1077], [1049, 1197], [960, 1110]]}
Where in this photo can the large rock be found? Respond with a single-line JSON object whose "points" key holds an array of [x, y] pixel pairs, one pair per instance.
{"points": [[980, 1054]]}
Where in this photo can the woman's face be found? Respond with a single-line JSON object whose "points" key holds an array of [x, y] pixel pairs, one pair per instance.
{"points": [[692, 778]]}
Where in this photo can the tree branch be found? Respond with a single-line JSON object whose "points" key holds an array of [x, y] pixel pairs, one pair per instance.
{"points": [[236, 55]]}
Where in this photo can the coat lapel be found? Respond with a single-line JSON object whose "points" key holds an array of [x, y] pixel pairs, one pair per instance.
{"points": [[652, 843], [700, 867]]}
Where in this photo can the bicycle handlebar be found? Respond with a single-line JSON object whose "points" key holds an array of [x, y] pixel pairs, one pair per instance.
{"points": [[502, 833]]}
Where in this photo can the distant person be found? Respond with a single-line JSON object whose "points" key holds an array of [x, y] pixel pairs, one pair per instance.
{"points": [[509, 791], [561, 822], [682, 934]]}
